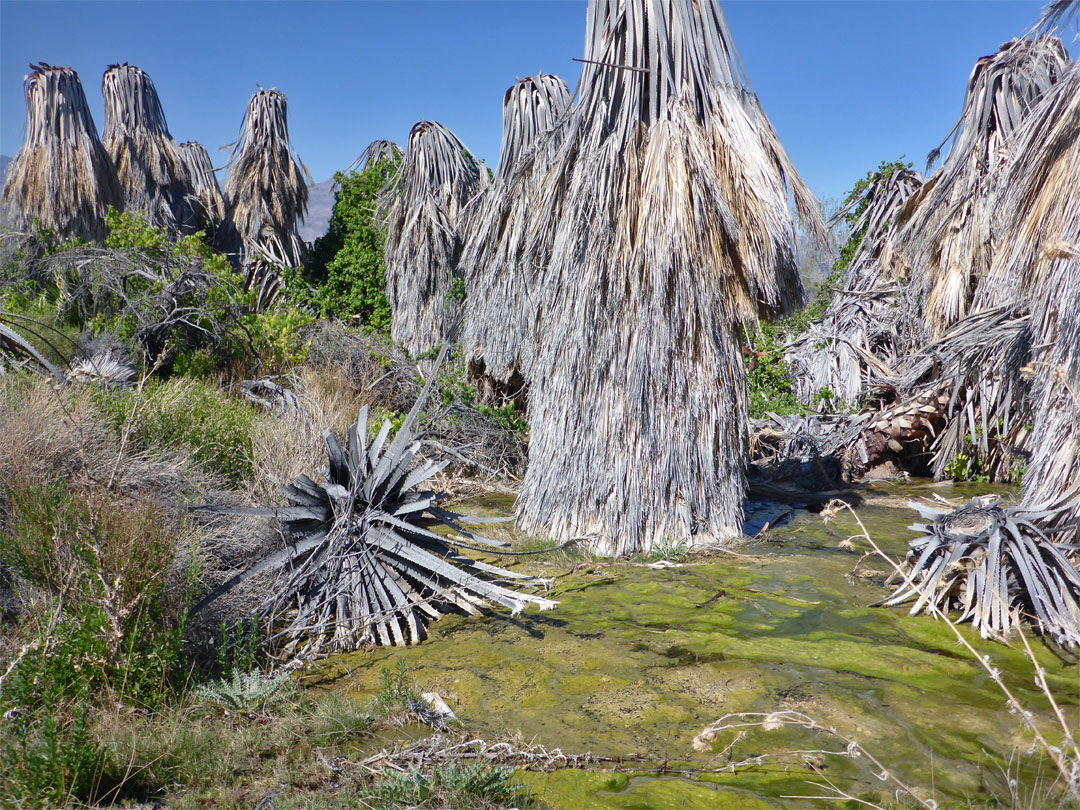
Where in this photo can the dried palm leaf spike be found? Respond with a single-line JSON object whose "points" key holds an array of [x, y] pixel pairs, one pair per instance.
{"points": [[149, 163], [498, 311], [62, 176], [424, 210], [362, 565], [266, 194], [660, 226], [204, 184]]}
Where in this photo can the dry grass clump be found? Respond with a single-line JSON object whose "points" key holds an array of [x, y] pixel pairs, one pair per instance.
{"points": [[62, 175]]}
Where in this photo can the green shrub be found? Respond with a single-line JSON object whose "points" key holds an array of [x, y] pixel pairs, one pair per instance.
{"points": [[192, 414], [346, 269]]}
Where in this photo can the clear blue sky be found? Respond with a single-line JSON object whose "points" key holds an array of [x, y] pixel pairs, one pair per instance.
{"points": [[846, 84]]}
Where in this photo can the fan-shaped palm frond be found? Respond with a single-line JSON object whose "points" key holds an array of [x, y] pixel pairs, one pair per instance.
{"points": [[660, 225], [204, 184], [149, 163], [869, 324], [62, 175], [498, 311], [424, 210], [362, 564], [266, 193], [946, 241], [14, 347], [997, 566]]}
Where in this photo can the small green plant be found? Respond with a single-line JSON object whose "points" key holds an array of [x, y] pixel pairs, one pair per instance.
{"points": [[768, 374], [669, 549], [248, 692], [396, 690], [456, 786]]}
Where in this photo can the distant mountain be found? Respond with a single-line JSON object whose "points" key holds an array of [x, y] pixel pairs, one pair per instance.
{"points": [[320, 204], [4, 161]]}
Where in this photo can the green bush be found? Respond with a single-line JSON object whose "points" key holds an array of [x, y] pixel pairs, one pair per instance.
{"points": [[346, 269], [192, 414]]}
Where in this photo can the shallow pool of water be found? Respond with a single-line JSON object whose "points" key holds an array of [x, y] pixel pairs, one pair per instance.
{"points": [[636, 660]]}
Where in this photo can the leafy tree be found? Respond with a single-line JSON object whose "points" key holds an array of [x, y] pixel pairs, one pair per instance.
{"points": [[346, 265]]}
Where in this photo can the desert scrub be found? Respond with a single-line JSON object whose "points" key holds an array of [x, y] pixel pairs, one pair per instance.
{"points": [[190, 414], [462, 787]]}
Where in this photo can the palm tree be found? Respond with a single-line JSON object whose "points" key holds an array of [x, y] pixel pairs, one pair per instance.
{"points": [[266, 193], [149, 163], [1039, 254], [659, 227], [205, 190], [424, 210], [946, 242], [497, 312], [62, 176]]}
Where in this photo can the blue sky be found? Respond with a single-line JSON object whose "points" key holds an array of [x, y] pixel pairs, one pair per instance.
{"points": [[846, 84]]}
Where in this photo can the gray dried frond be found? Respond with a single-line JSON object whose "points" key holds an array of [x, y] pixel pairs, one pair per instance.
{"points": [[1039, 259], [376, 152], [996, 566], [361, 564], [424, 213], [149, 163], [531, 107], [498, 311], [266, 193], [204, 184], [102, 368], [62, 175], [871, 322], [660, 225], [947, 241]]}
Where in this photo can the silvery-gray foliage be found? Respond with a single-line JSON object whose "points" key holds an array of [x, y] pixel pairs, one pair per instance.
{"points": [[996, 565], [361, 563]]}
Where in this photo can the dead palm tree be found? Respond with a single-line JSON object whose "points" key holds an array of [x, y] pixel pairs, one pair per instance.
{"points": [[947, 242], [204, 184], [1039, 254], [497, 312], [376, 152], [660, 226], [868, 325], [149, 163], [266, 194], [424, 210], [62, 176]]}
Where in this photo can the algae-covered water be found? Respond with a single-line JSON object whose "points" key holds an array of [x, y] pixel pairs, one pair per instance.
{"points": [[636, 660]]}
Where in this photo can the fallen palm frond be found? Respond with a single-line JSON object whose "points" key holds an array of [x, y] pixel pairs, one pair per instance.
{"points": [[16, 349], [424, 212], [149, 163], [1039, 259], [266, 194], [498, 308], [996, 566], [361, 564], [947, 240], [659, 225], [62, 176], [871, 321], [204, 185]]}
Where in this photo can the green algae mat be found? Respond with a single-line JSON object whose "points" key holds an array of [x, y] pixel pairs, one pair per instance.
{"points": [[638, 658]]}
